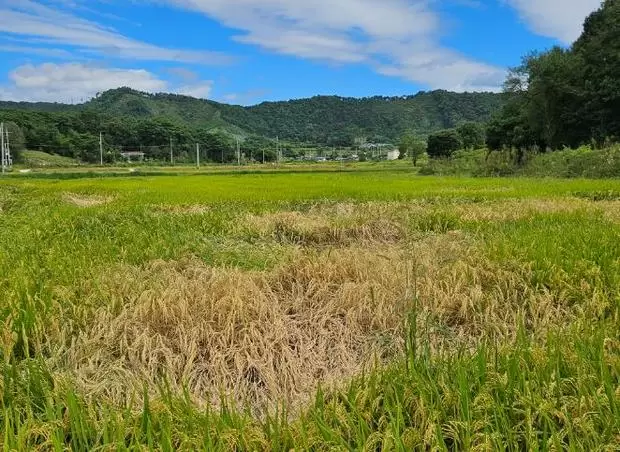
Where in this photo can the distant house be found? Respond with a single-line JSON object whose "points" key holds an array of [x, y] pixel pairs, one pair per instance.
{"points": [[133, 156], [381, 150], [393, 154]]}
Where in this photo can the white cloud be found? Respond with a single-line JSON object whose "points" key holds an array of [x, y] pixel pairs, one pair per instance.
{"points": [[183, 73], [37, 23], [75, 82], [200, 90], [559, 19], [244, 98], [396, 37]]}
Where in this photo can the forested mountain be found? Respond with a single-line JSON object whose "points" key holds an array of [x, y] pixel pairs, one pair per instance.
{"points": [[320, 119], [335, 119], [132, 119]]}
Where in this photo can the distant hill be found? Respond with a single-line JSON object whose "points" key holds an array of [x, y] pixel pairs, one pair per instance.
{"points": [[132, 120], [36, 106], [317, 119]]}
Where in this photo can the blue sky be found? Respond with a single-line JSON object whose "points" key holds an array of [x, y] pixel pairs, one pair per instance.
{"points": [[248, 51]]}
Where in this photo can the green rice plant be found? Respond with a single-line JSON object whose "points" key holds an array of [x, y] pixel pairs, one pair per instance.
{"points": [[73, 250]]}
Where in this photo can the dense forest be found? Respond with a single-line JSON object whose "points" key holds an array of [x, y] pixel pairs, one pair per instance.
{"points": [[565, 97], [132, 120]]}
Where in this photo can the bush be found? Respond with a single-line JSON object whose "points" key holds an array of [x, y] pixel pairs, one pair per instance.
{"points": [[583, 162]]}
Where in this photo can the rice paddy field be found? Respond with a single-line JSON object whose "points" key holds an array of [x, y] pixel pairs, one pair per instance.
{"points": [[309, 311]]}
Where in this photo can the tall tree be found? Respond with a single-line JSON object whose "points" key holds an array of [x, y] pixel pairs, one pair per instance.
{"points": [[599, 49], [444, 143], [565, 97], [411, 146], [472, 134]]}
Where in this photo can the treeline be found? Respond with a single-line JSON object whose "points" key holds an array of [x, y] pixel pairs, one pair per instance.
{"points": [[565, 97], [76, 134]]}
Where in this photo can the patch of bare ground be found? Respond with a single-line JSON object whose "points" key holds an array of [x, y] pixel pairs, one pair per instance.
{"points": [[82, 200], [263, 338]]}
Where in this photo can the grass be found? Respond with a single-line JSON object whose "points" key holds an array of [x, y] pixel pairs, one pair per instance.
{"points": [[39, 159], [349, 311], [43, 165]]}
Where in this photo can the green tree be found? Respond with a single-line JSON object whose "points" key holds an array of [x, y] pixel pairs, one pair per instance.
{"points": [[472, 134], [565, 97], [598, 48], [444, 143], [411, 146]]}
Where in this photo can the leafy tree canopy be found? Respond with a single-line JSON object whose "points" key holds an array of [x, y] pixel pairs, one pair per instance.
{"points": [[444, 143]]}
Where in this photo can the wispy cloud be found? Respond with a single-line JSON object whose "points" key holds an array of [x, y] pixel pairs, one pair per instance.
{"points": [[559, 19], [40, 51], [245, 97], [396, 37], [39, 23], [76, 82], [183, 73]]}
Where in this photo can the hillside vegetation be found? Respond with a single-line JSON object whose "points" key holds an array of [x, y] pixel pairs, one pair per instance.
{"points": [[139, 121]]}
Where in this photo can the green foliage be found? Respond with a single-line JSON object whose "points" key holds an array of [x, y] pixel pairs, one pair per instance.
{"points": [[43, 160], [444, 143], [412, 147], [472, 134], [75, 134], [598, 53], [255, 146], [565, 97], [583, 162]]}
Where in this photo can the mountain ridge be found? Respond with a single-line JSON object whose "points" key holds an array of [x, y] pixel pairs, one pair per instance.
{"points": [[319, 118]]}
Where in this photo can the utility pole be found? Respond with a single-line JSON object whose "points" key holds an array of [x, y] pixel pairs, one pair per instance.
{"points": [[5, 147], [238, 153], [7, 153], [278, 150], [198, 155], [2, 145], [171, 155], [101, 147]]}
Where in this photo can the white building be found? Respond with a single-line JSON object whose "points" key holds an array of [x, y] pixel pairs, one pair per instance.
{"points": [[393, 154]]}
